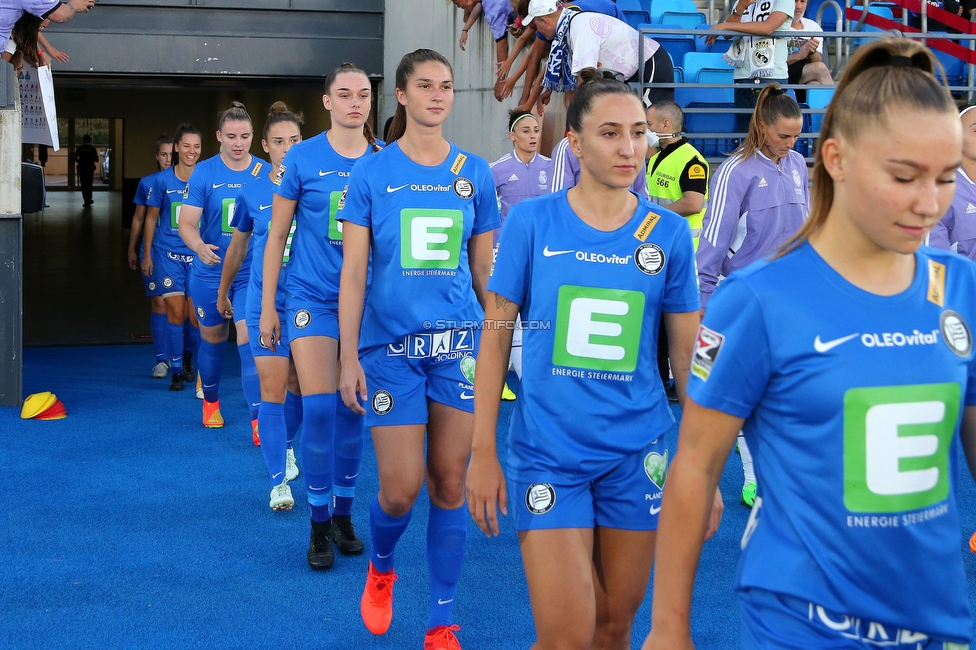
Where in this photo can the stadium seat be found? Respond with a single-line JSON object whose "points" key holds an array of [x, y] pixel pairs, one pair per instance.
{"points": [[711, 123], [688, 20], [634, 12], [718, 76], [695, 61], [721, 44], [676, 46], [818, 98], [660, 7], [679, 75], [954, 68], [830, 17]]}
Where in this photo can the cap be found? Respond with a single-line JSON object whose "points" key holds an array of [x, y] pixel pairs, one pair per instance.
{"points": [[539, 8]]}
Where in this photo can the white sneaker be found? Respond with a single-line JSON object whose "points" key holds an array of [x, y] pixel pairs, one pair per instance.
{"points": [[160, 370], [281, 498], [291, 467], [199, 386]]}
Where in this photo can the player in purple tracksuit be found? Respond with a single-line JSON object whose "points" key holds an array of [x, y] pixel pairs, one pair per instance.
{"points": [[759, 198], [957, 229], [566, 171], [525, 172]]}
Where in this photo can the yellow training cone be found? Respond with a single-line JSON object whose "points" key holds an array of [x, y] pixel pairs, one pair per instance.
{"points": [[37, 403]]}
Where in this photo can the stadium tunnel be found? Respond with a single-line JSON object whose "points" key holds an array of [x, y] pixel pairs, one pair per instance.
{"points": [[137, 69]]}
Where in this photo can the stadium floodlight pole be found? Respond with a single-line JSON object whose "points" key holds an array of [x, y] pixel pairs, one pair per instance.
{"points": [[11, 241]]}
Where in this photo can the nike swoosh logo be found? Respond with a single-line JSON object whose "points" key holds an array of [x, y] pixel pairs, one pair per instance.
{"points": [[317, 489], [383, 557], [322, 173], [348, 478], [276, 475], [444, 602], [264, 207], [466, 396], [173, 191], [209, 385], [655, 509], [216, 185], [391, 190], [549, 253], [821, 346]]}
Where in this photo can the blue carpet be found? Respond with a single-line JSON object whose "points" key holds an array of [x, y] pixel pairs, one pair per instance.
{"points": [[129, 525]]}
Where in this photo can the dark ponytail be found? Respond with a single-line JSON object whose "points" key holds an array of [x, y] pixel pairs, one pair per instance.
{"points": [[593, 84], [404, 71], [279, 113], [330, 80], [24, 35]]}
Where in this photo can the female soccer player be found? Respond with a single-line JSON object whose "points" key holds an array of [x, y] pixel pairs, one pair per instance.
{"points": [[525, 172], [519, 175], [206, 226], [308, 192], [957, 229], [759, 199], [170, 258], [157, 309], [279, 384], [848, 358], [588, 480], [422, 212]]}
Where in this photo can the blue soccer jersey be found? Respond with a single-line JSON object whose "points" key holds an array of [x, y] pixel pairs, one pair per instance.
{"points": [[167, 194], [214, 187], [315, 175], [421, 219], [253, 215], [851, 402], [591, 303], [144, 189]]}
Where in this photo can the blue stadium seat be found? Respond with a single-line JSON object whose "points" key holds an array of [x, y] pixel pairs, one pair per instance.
{"points": [[830, 16], [711, 123], [634, 12], [679, 75], [677, 46], [660, 7], [818, 98], [721, 44], [686, 19], [955, 74], [718, 76], [695, 61]]}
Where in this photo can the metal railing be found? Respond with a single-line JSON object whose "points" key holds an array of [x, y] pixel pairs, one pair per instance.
{"points": [[843, 39]]}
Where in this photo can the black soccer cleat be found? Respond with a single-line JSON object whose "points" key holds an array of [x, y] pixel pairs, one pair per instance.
{"points": [[343, 535], [320, 553], [176, 384], [189, 374]]}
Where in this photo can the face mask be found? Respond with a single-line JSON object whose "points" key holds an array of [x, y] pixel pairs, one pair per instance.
{"points": [[652, 139]]}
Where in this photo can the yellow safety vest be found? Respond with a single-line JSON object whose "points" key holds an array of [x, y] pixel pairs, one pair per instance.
{"points": [[663, 184]]}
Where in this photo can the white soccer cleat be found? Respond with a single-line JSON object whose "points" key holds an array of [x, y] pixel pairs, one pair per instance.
{"points": [[281, 498], [291, 467], [160, 370]]}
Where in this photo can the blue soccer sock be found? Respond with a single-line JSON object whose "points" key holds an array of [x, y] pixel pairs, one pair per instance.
{"points": [[175, 337], [271, 423], [249, 380], [318, 427], [385, 531], [293, 415], [447, 531], [160, 336], [350, 430], [191, 337], [210, 363]]}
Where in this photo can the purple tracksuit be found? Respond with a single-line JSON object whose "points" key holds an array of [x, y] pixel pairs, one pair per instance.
{"points": [[957, 229], [755, 206], [516, 180], [566, 171]]}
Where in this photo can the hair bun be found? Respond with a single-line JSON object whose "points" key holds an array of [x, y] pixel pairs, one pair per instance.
{"points": [[237, 104], [589, 75], [278, 107]]}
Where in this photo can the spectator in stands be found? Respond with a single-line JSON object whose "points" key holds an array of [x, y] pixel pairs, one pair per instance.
{"points": [[12, 10], [805, 59], [677, 178], [597, 41], [496, 13], [758, 57], [86, 160]]}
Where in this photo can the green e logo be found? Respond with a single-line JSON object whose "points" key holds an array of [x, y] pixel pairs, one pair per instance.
{"points": [[227, 209], [335, 227], [174, 218], [430, 239], [598, 329], [896, 446]]}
